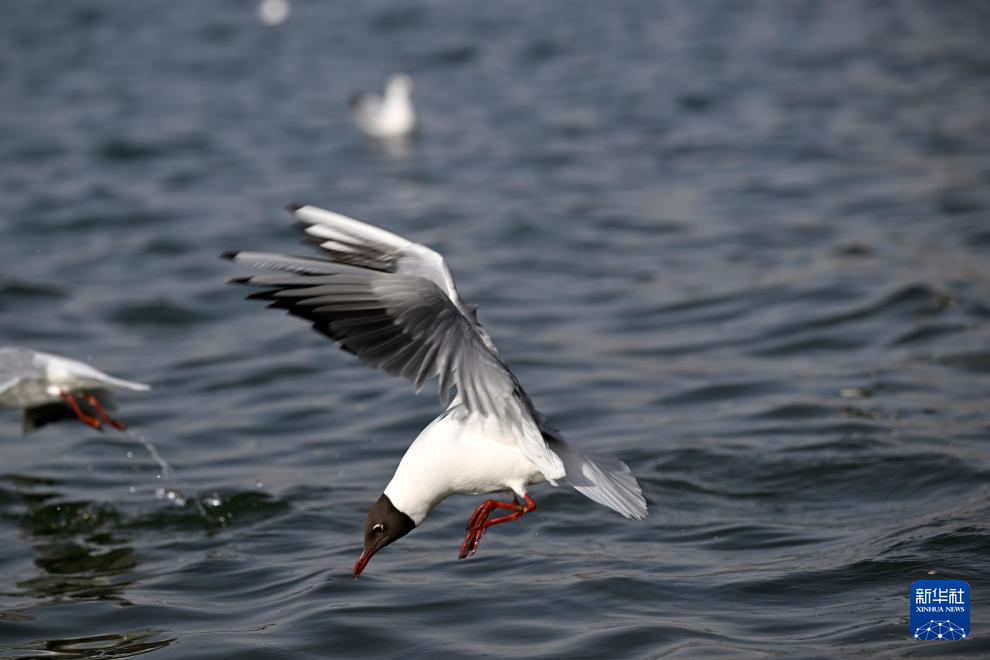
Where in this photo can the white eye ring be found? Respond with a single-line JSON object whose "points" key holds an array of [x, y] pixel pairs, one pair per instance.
{"points": [[378, 527]]}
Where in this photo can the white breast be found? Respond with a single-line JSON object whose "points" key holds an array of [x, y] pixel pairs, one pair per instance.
{"points": [[471, 454]]}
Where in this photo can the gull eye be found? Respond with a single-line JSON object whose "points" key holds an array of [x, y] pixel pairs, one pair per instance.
{"points": [[378, 527]]}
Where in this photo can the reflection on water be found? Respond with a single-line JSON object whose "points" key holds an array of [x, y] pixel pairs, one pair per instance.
{"points": [[85, 570], [76, 548], [113, 645], [397, 147], [84, 551]]}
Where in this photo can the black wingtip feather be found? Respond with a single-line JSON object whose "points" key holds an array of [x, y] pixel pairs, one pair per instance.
{"points": [[245, 281], [229, 254], [293, 207]]}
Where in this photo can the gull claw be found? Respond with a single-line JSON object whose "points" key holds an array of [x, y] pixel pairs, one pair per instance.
{"points": [[471, 542], [479, 522], [86, 419]]}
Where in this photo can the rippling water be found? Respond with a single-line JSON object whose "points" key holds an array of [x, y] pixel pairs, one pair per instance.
{"points": [[742, 245]]}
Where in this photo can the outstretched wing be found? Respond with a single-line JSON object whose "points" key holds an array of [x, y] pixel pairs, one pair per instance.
{"points": [[393, 304], [16, 364]]}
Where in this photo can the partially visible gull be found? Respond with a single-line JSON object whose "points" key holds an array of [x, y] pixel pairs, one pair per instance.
{"points": [[51, 387], [388, 116], [392, 303], [274, 12]]}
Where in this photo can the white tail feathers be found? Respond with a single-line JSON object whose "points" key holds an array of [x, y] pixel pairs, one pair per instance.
{"points": [[604, 479]]}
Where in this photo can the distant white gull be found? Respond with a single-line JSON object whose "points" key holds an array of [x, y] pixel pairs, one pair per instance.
{"points": [[388, 116], [392, 303], [51, 387], [274, 12]]}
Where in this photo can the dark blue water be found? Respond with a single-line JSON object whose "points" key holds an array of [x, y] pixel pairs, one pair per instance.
{"points": [[744, 246]]}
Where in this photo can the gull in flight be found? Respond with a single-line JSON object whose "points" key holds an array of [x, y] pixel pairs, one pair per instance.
{"points": [[51, 387], [392, 303]]}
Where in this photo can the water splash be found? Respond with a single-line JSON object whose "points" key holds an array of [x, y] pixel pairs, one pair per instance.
{"points": [[179, 499], [200, 502], [176, 497], [152, 451], [167, 492]]}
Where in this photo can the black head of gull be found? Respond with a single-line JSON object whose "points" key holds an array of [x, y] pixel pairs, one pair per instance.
{"points": [[383, 525], [393, 304]]}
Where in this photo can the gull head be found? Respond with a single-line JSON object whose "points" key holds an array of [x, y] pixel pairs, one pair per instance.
{"points": [[383, 525], [400, 83]]}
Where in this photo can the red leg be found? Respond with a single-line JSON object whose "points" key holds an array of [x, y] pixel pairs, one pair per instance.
{"points": [[485, 509], [88, 420], [473, 538], [93, 401], [529, 506]]}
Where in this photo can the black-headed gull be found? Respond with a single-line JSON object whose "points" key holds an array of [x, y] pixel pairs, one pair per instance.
{"points": [[392, 303], [389, 116], [51, 387]]}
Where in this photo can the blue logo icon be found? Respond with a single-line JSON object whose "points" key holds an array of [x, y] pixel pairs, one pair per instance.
{"points": [[939, 610]]}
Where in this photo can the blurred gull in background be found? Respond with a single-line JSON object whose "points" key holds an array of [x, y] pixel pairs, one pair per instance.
{"points": [[273, 12], [51, 387], [389, 116]]}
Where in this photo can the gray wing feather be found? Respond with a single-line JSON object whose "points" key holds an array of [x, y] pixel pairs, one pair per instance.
{"points": [[393, 304], [16, 364], [7, 381], [603, 479], [404, 325]]}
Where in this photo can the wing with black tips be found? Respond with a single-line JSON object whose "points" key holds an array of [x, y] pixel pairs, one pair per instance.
{"points": [[392, 303]]}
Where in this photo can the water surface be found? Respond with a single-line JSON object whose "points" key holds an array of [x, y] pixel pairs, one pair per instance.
{"points": [[744, 246]]}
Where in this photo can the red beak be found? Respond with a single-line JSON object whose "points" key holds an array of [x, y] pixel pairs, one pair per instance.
{"points": [[365, 557]]}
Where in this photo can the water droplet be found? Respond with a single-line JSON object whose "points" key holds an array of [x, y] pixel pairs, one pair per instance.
{"points": [[854, 392], [132, 490], [175, 497], [130, 454]]}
